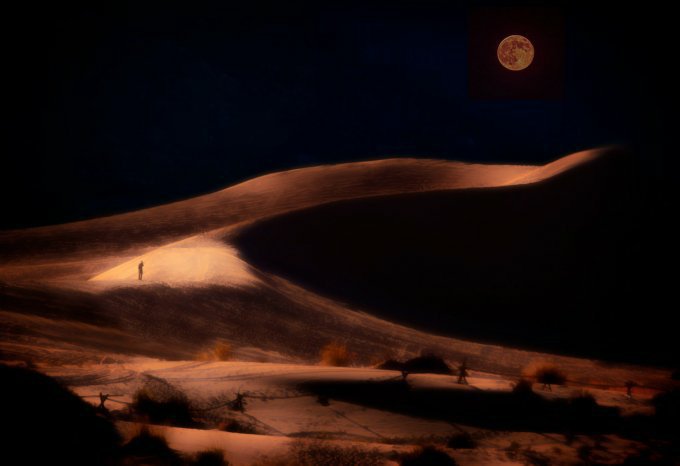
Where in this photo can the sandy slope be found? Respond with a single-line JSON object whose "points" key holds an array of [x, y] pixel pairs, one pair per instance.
{"points": [[265, 196], [76, 283]]}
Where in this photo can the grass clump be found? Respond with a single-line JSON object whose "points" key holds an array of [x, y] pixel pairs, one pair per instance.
{"points": [[159, 403], [210, 458], [221, 351], [336, 354], [321, 453]]}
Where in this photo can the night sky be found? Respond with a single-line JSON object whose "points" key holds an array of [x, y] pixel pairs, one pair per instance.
{"points": [[113, 109]]}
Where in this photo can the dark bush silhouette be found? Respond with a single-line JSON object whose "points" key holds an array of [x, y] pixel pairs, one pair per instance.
{"points": [[210, 458], [149, 449], [461, 441], [523, 387], [427, 456], [336, 354], [429, 364], [45, 423], [549, 376], [426, 364], [391, 365], [161, 404]]}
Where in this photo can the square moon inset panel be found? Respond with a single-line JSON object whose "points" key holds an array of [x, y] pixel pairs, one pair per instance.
{"points": [[516, 53]]}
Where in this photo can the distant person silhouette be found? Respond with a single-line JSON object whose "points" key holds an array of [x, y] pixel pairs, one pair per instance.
{"points": [[140, 267]]}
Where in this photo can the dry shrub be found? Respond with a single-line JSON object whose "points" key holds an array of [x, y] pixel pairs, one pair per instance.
{"points": [[550, 375], [428, 363], [523, 387], [321, 453], [336, 354], [426, 456], [210, 458], [160, 403], [221, 351]]}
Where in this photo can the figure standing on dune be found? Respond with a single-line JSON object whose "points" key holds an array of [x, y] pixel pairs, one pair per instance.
{"points": [[140, 267]]}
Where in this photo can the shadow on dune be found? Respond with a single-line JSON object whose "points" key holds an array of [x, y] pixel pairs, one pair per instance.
{"points": [[45, 423], [564, 265], [180, 323], [487, 409], [519, 411]]}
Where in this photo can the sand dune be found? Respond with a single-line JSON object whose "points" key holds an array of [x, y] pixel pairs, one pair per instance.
{"points": [[262, 197], [86, 272]]}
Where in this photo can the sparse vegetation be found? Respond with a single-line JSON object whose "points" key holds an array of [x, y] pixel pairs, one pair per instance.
{"points": [[221, 351], [549, 375], [320, 453], [425, 364], [429, 363], [163, 405], [210, 458], [461, 441], [427, 456], [523, 387], [336, 354], [390, 365]]}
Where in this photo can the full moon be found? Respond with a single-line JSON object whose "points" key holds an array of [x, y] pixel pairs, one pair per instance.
{"points": [[515, 52]]}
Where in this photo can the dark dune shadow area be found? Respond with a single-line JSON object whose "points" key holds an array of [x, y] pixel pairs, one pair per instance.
{"points": [[522, 410], [563, 265], [45, 423], [528, 412]]}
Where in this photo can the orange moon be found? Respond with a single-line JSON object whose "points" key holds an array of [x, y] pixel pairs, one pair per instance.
{"points": [[515, 52]]}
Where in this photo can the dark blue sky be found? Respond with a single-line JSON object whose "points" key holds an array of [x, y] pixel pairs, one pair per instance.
{"points": [[113, 109]]}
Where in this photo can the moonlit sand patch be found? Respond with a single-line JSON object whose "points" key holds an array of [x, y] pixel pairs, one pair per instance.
{"points": [[196, 260]]}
